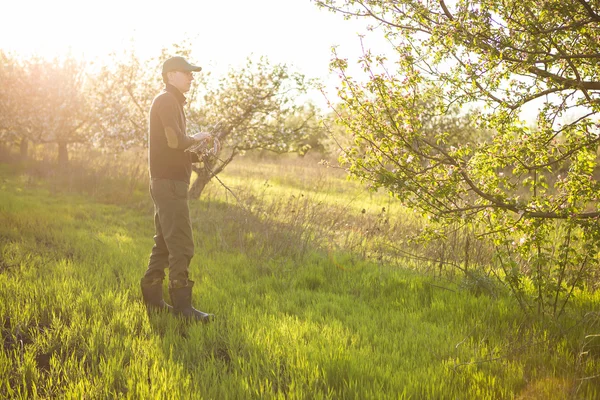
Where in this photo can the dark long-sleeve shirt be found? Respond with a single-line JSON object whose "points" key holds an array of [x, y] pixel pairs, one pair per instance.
{"points": [[168, 139]]}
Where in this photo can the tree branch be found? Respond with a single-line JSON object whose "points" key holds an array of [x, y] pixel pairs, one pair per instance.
{"points": [[567, 83], [590, 10], [446, 11]]}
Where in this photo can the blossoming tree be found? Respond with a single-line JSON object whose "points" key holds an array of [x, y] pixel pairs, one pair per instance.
{"points": [[532, 187]]}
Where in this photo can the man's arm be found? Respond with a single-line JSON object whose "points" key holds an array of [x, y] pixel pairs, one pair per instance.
{"points": [[169, 115]]}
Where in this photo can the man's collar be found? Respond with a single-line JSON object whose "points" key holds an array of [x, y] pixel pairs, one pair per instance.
{"points": [[172, 89]]}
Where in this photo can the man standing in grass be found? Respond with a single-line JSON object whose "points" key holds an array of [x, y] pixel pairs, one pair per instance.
{"points": [[170, 172]]}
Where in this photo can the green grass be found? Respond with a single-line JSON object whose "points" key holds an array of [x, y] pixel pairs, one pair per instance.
{"points": [[318, 206], [292, 321], [321, 184]]}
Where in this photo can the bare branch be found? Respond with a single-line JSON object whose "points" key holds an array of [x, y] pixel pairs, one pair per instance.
{"points": [[590, 10], [446, 11]]}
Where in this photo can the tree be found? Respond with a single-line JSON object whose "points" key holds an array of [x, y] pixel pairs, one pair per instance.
{"points": [[44, 102], [256, 109], [531, 187], [9, 105], [121, 93], [5, 100]]}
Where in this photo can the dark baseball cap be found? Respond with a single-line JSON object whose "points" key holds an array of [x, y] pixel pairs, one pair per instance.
{"points": [[179, 64]]}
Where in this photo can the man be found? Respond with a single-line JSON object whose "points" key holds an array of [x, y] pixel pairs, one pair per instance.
{"points": [[170, 171]]}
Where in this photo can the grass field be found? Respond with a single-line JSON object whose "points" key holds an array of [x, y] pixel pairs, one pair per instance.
{"points": [[294, 319]]}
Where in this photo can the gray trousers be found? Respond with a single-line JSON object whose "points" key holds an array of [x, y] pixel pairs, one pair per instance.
{"points": [[173, 240]]}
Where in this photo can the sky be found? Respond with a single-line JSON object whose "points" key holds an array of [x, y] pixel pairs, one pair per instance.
{"points": [[224, 33]]}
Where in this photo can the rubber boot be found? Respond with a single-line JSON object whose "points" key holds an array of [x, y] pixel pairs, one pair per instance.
{"points": [[153, 296], [182, 304]]}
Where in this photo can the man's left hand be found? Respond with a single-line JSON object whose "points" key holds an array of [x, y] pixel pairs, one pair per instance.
{"points": [[202, 136]]}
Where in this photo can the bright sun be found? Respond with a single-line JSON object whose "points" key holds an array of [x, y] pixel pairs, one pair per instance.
{"points": [[87, 29], [224, 33]]}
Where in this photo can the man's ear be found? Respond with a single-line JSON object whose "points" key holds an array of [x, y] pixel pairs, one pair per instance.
{"points": [[170, 75]]}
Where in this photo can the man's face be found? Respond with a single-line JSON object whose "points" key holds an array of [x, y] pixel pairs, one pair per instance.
{"points": [[181, 80]]}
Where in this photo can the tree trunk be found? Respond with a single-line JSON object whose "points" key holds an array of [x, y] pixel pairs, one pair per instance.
{"points": [[200, 183], [24, 148], [206, 173], [63, 154]]}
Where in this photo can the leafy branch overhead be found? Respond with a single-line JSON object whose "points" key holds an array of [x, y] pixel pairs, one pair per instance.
{"points": [[508, 58]]}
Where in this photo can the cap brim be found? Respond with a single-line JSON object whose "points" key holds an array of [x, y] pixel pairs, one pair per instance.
{"points": [[194, 68]]}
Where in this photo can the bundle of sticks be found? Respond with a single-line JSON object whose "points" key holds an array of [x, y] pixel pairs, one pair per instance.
{"points": [[208, 147]]}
